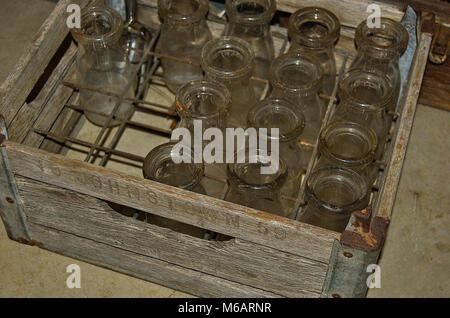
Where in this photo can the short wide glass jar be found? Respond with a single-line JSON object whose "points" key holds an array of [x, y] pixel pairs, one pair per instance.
{"points": [[332, 195], [315, 31], [184, 32], [102, 65]]}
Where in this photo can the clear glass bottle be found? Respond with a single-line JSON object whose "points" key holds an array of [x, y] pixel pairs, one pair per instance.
{"points": [[102, 64], [332, 194], [184, 32], [281, 114], [230, 61], [206, 102], [349, 145], [365, 97], [315, 31], [248, 186], [160, 167], [297, 77], [250, 21], [380, 49]]}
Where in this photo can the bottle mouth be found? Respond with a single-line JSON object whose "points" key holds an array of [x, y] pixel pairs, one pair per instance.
{"points": [[248, 175], [277, 113], [228, 57], [338, 190], [370, 90], [98, 25], [182, 11], [296, 72], [202, 99], [314, 27], [251, 12], [348, 143], [160, 167], [389, 40]]}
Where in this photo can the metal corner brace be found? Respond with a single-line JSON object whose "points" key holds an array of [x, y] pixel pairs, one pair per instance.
{"points": [[11, 206]]}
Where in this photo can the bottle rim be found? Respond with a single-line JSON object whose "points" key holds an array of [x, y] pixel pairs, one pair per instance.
{"points": [[169, 17], [197, 87], [349, 128], [364, 32], [306, 60], [161, 154], [231, 8], [228, 43], [111, 17], [344, 174], [373, 77], [277, 105], [315, 15]]}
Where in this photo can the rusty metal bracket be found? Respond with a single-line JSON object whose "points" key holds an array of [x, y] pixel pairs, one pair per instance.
{"points": [[11, 206], [365, 232], [440, 46]]}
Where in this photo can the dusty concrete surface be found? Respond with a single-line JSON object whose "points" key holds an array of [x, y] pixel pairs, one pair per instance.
{"points": [[414, 262]]}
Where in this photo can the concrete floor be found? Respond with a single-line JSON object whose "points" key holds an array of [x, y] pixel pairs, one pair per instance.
{"points": [[415, 260]]}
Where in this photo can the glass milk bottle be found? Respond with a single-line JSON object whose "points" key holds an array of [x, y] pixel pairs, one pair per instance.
{"points": [[315, 31], [250, 21], [184, 32], [102, 65], [230, 61], [379, 49]]}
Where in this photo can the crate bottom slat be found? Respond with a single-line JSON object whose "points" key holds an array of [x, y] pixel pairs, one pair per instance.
{"points": [[142, 267], [235, 260]]}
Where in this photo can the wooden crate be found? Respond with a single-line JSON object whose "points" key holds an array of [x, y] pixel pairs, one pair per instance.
{"points": [[64, 205]]}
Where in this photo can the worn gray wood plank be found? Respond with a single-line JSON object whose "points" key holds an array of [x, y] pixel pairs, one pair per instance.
{"points": [[140, 266], [235, 260], [19, 83], [42, 112], [184, 206], [397, 154]]}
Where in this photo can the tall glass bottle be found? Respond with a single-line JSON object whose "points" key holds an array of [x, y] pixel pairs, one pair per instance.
{"points": [[332, 194], [230, 61], [349, 145], [248, 186], [184, 32], [364, 98], [297, 77], [250, 21], [315, 31], [205, 103], [102, 64], [379, 49], [281, 114], [160, 167]]}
